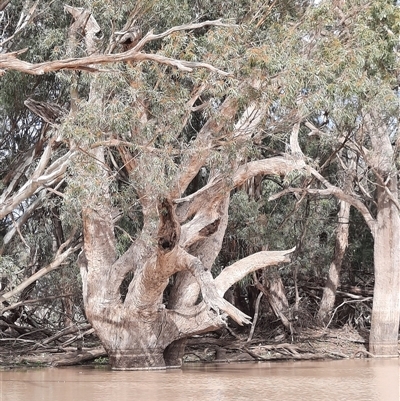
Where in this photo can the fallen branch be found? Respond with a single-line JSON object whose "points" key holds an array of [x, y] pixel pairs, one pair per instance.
{"points": [[344, 303], [34, 301], [64, 332], [77, 357], [77, 337]]}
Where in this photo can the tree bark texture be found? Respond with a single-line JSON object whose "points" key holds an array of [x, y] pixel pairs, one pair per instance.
{"points": [[385, 317], [333, 281], [386, 304]]}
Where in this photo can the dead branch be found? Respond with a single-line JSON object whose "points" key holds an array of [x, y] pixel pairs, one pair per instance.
{"points": [[42, 176], [34, 301], [255, 317], [27, 16], [77, 337], [55, 264], [77, 357], [235, 272], [344, 303], [10, 61], [64, 332]]}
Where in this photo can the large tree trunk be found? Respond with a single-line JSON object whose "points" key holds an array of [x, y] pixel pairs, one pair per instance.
{"points": [[386, 304], [385, 317], [137, 332]]}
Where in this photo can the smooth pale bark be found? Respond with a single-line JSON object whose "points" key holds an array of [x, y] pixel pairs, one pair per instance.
{"points": [[385, 317], [386, 303]]}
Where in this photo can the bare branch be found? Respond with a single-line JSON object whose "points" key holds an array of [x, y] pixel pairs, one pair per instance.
{"points": [[34, 301], [235, 272], [186, 27], [22, 220], [40, 177], [338, 193], [211, 296], [11, 62], [25, 18], [55, 264]]}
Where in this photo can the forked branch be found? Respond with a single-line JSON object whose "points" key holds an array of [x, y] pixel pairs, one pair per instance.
{"points": [[211, 297]]}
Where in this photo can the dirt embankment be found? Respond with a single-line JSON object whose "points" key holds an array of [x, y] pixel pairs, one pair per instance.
{"points": [[225, 347]]}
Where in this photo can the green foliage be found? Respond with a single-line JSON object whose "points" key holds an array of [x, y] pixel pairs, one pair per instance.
{"points": [[295, 58], [359, 260], [245, 222]]}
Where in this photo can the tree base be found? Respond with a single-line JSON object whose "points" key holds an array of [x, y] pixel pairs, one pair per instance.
{"points": [[173, 354], [150, 359], [384, 350]]}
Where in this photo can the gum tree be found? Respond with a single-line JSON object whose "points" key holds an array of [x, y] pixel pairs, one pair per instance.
{"points": [[146, 128], [352, 97], [151, 115]]}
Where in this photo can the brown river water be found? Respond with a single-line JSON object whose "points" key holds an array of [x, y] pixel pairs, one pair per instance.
{"points": [[347, 380]]}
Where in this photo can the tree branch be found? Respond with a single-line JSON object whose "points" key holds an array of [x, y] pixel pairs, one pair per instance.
{"points": [[338, 193], [9, 61], [55, 264], [235, 272], [186, 27], [39, 178], [211, 296], [35, 301]]}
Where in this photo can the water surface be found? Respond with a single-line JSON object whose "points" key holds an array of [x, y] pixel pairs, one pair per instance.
{"points": [[347, 380]]}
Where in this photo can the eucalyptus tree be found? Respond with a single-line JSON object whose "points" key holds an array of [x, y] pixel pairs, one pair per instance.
{"points": [[350, 76], [151, 112], [137, 135]]}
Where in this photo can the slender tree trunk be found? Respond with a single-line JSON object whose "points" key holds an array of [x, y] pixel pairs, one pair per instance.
{"points": [[276, 296], [341, 243], [386, 304]]}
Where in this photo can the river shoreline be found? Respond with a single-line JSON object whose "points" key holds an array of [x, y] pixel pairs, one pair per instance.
{"points": [[313, 344]]}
